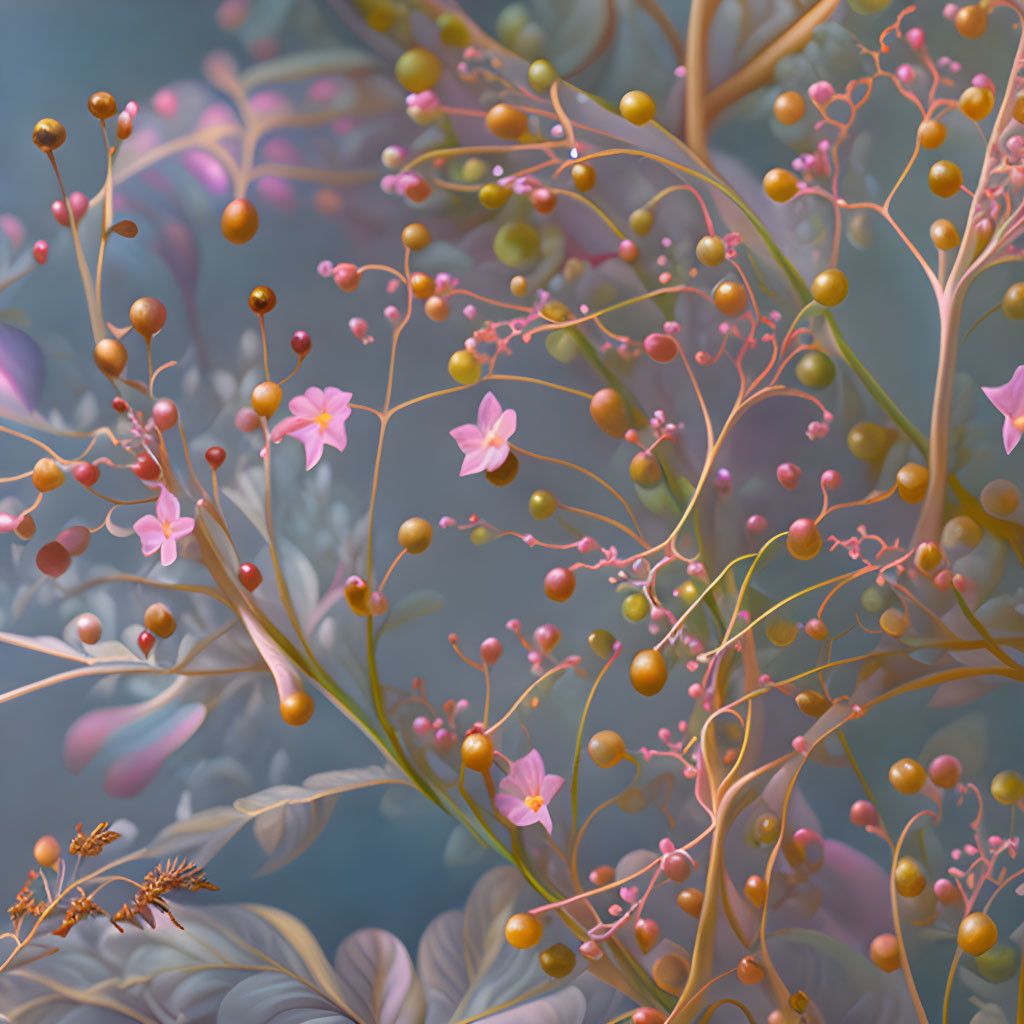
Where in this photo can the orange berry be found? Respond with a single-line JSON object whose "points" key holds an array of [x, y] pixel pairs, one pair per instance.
{"points": [[730, 298], [830, 287], [907, 776], [523, 931], [415, 236], [691, 900], [749, 971], [436, 308], [415, 535], [606, 748], [944, 234], [648, 672], [147, 315], [297, 708], [239, 221], [977, 934], [421, 285], [637, 107], [971, 21], [506, 121], [976, 103], [945, 179], [159, 619], [583, 177], [110, 356], [754, 889], [477, 752], [931, 134], [803, 540], [789, 107], [609, 412], [47, 475], [885, 952], [780, 184], [266, 397], [46, 851], [102, 105]]}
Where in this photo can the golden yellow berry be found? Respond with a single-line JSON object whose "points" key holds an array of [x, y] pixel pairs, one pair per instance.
{"points": [[780, 185], [558, 961], [505, 473], [907, 776], [493, 196], [1007, 787], [691, 901], [830, 287], [421, 285], [266, 397], [648, 672], [606, 748], [583, 177], [418, 70], [976, 102], [867, 441], [789, 107], [754, 889], [641, 221], [477, 752], [711, 250], [893, 622], [944, 234], [523, 931], [645, 469], [977, 933], [912, 482], [637, 107], [297, 708], [908, 877], [415, 236], [415, 535], [1013, 301], [945, 179], [518, 286], [542, 504], [812, 703], [541, 75], [49, 134]]}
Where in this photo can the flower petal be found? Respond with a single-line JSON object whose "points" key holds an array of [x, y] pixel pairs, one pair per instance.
{"points": [[467, 437], [167, 506], [476, 462], [488, 413]]}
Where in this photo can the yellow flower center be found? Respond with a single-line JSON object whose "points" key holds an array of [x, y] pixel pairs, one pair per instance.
{"points": [[1018, 422], [493, 440], [323, 419], [166, 524], [535, 803]]}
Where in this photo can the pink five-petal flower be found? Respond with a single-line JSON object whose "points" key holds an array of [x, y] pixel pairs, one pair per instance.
{"points": [[524, 794], [485, 443], [1008, 398], [163, 531], [317, 418]]}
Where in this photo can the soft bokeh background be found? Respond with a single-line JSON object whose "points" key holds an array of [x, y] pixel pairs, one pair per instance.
{"points": [[377, 862]]}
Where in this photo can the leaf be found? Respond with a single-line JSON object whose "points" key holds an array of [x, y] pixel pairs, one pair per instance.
{"points": [[378, 975], [413, 606], [289, 818], [125, 228]]}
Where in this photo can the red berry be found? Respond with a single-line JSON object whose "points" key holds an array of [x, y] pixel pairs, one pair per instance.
{"points": [[119, 404], [146, 641], [215, 456], [146, 467], [250, 576], [53, 559], [165, 413], [301, 343], [86, 473], [40, 251]]}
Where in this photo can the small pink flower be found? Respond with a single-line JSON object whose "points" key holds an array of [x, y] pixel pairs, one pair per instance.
{"points": [[1008, 398], [524, 794], [163, 531], [317, 418], [485, 445]]}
